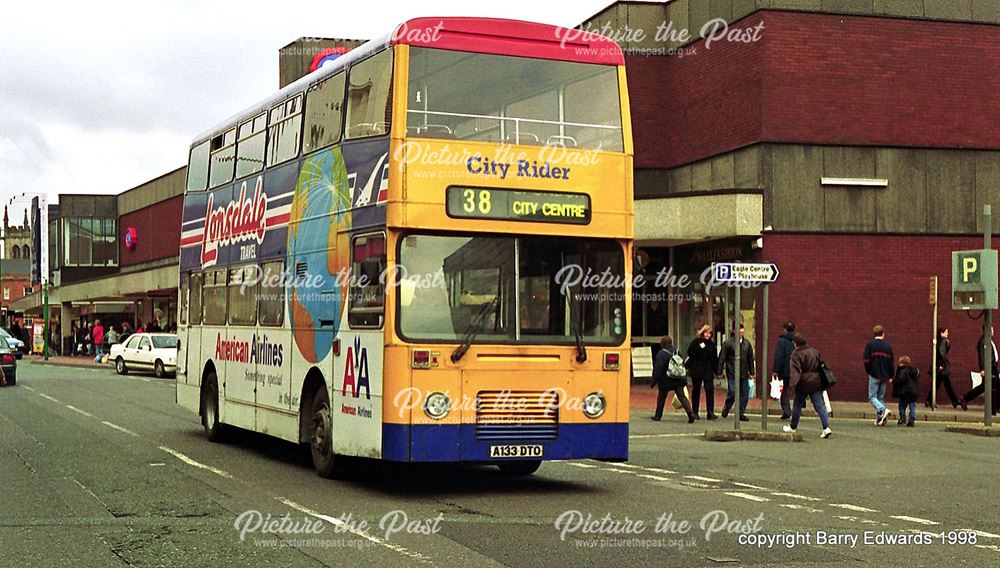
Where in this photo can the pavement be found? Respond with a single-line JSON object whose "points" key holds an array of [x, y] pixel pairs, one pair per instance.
{"points": [[106, 470]]}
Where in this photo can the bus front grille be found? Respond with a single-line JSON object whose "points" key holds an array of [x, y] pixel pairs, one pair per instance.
{"points": [[520, 415]]}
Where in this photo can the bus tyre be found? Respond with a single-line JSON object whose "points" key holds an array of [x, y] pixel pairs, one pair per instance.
{"points": [[158, 369], [519, 468], [120, 367], [321, 435], [214, 430]]}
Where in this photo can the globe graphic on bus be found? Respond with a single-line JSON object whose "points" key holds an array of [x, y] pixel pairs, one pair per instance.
{"points": [[317, 251]]}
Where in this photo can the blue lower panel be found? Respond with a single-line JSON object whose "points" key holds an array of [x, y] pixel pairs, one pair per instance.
{"points": [[457, 442]]}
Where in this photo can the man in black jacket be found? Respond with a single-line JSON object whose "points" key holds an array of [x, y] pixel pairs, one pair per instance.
{"points": [[783, 366], [979, 390], [880, 366], [727, 359]]}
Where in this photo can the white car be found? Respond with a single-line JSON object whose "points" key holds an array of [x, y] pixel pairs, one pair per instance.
{"points": [[155, 352]]}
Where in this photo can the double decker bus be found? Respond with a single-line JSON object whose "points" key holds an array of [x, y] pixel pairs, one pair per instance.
{"points": [[418, 252]]}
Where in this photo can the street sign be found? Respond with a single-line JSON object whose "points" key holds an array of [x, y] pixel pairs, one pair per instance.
{"points": [[761, 272], [974, 279]]}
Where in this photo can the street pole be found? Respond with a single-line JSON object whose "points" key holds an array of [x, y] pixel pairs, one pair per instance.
{"points": [[737, 348], [765, 399], [45, 330], [988, 331], [934, 344]]}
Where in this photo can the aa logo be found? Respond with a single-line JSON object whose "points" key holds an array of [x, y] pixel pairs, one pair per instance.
{"points": [[356, 370]]}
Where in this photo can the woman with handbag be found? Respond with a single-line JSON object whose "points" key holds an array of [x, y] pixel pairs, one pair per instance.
{"points": [[702, 360], [805, 381], [669, 382]]}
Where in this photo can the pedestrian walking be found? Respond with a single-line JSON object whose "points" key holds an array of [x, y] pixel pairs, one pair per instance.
{"points": [[702, 360], [727, 364], [670, 375], [906, 388], [89, 338], [879, 362], [782, 366], [943, 370], [98, 335], [978, 391], [804, 381], [126, 331]]}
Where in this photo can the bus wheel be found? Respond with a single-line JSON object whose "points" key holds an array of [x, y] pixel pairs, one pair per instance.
{"points": [[321, 435], [158, 369], [519, 468], [120, 367], [214, 430]]}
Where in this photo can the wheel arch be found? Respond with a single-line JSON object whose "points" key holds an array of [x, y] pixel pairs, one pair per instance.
{"points": [[313, 383], [209, 368]]}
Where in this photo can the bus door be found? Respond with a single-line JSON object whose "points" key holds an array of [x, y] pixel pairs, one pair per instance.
{"points": [[358, 353]]}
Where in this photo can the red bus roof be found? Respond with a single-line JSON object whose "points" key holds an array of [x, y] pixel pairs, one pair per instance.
{"points": [[509, 37]]}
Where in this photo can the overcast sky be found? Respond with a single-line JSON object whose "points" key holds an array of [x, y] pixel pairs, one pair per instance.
{"points": [[98, 97]]}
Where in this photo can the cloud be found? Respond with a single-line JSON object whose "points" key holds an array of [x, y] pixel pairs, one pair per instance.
{"points": [[100, 97]]}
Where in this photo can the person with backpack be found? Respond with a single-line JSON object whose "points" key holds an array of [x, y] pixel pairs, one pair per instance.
{"points": [[783, 367], [670, 375]]}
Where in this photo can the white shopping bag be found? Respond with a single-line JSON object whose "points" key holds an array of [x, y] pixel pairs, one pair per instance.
{"points": [[977, 379], [777, 387], [826, 402], [677, 403]]}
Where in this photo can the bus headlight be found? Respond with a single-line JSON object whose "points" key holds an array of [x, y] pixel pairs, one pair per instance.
{"points": [[594, 405], [437, 405]]}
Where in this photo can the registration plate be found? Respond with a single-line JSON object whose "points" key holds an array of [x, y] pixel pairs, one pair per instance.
{"points": [[515, 451]]}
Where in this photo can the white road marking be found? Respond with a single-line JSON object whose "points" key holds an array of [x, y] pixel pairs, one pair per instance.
{"points": [[801, 508], [660, 470], [862, 521], [27, 387], [983, 534], [645, 436], [196, 464], [341, 525], [747, 496], [914, 520], [583, 465], [653, 477], [992, 547], [794, 496], [83, 412], [850, 507], [700, 478], [699, 485], [47, 397], [748, 486], [119, 428]]}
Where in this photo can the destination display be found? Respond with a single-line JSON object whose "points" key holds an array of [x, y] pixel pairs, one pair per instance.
{"points": [[515, 205]]}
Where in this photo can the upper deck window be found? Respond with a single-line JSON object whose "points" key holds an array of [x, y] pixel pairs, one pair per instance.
{"points": [[223, 158], [516, 100], [250, 147], [369, 105], [198, 167], [324, 111], [285, 131]]}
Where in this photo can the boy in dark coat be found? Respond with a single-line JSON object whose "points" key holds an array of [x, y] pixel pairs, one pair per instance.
{"points": [[906, 388]]}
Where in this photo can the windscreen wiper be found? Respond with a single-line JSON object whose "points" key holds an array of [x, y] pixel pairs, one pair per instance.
{"points": [[475, 328], [581, 349]]}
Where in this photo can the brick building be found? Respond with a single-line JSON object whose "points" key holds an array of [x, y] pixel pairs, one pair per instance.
{"points": [[852, 142]]}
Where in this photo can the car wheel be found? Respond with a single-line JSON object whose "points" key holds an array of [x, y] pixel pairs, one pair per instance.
{"points": [[321, 436], [120, 367], [158, 369], [215, 431], [519, 468]]}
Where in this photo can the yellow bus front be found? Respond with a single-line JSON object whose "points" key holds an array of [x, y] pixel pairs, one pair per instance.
{"points": [[509, 222]]}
